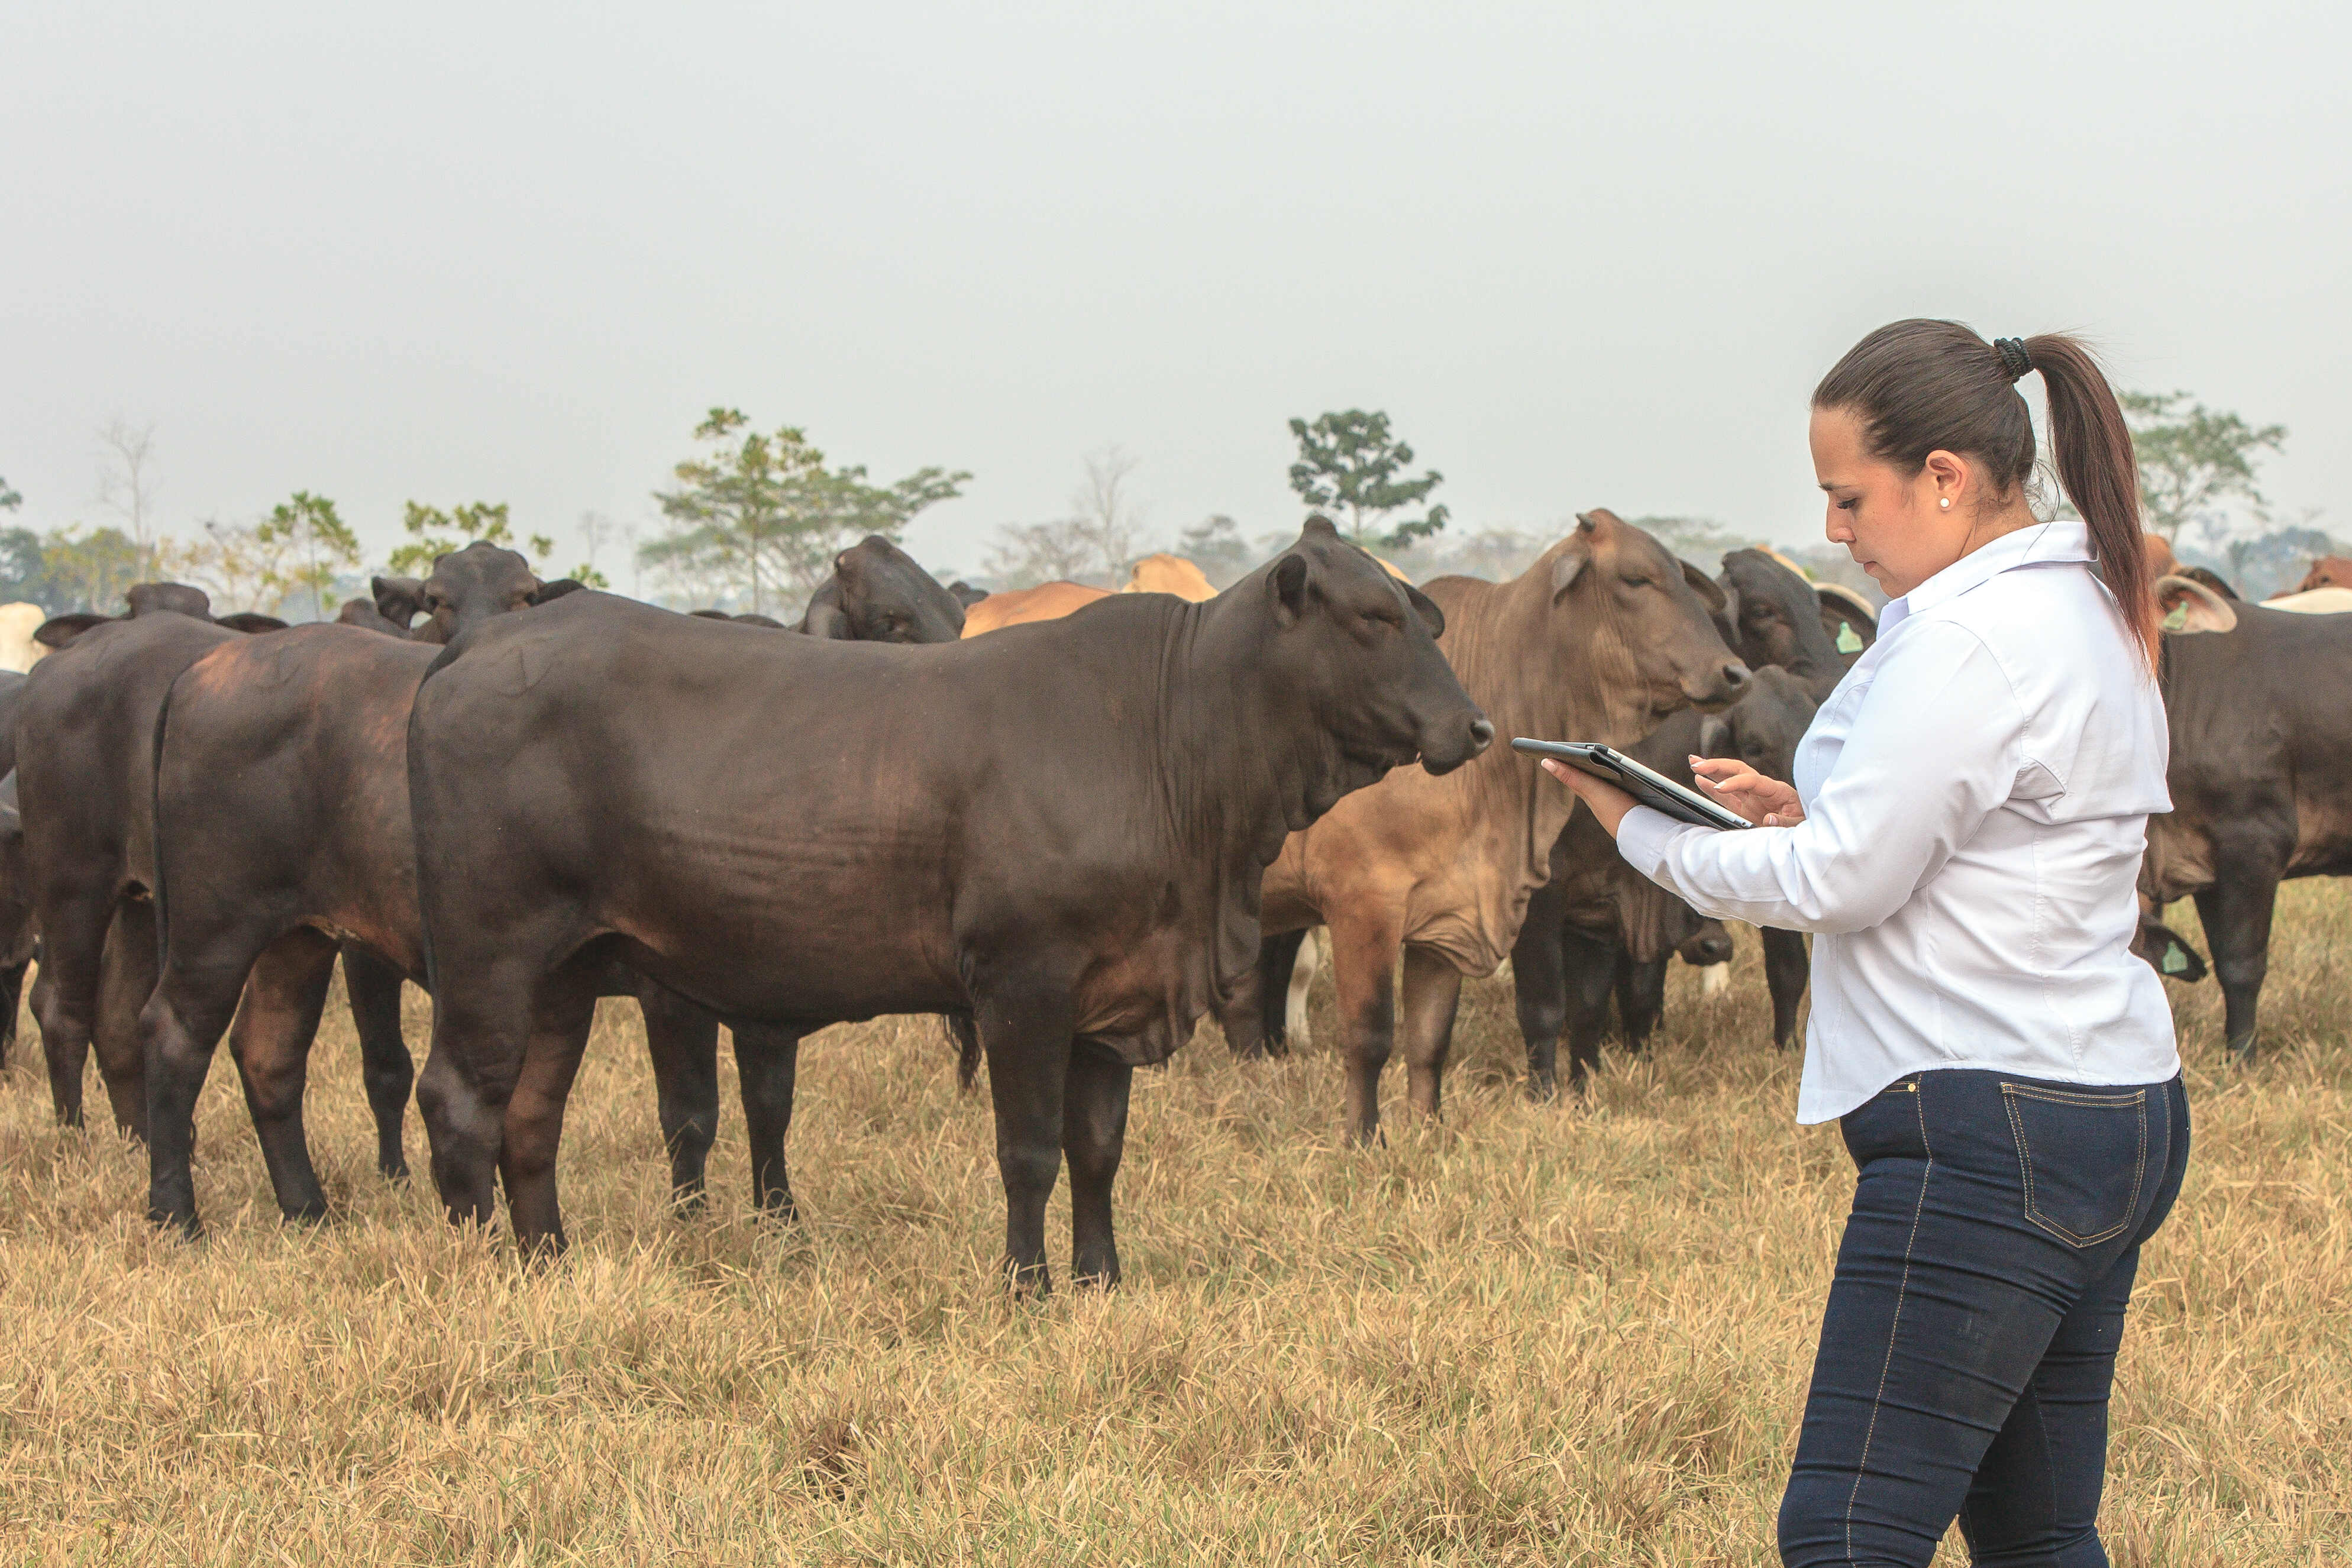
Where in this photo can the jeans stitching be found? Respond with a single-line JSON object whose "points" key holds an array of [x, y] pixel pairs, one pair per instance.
{"points": [[2010, 1093], [1862, 1464]]}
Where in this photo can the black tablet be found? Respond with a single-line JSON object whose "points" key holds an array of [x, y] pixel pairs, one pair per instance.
{"points": [[1648, 786]]}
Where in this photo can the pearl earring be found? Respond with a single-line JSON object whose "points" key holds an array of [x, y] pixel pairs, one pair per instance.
{"points": [[1945, 503]]}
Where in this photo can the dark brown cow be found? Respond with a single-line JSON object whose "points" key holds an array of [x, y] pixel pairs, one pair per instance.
{"points": [[1847, 617], [1598, 640], [86, 782], [1056, 829], [152, 599], [1776, 620], [2261, 778], [879, 593]]}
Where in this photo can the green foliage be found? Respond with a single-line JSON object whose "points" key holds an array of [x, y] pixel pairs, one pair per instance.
{"points": [[9, 500], [2192, 460], [434, 533], [314, 541], [89, 569], [1350, 462], [760, 513]]}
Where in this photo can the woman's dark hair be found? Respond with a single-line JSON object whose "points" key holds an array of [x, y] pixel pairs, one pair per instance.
{"points": [[1921, 386]]}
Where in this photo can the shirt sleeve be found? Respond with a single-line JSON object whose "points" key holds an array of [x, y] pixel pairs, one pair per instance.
{"points": [[1936, 748]]}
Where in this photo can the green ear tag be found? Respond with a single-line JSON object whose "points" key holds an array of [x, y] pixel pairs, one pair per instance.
{"points": [[2174, 960], [1848, 641], [2178, 619]]}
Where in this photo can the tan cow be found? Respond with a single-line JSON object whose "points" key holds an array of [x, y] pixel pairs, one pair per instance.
{"points": [[1046, 601], [2327, 572], [18, 622], [1169, 574], [1599, 639], [2161, 561]]}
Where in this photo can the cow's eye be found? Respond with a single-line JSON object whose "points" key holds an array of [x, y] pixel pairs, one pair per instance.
{"points": [[1633, 580]]}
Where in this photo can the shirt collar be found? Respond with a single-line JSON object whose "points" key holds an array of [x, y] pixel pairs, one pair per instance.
{"points": [[2060, 540]]}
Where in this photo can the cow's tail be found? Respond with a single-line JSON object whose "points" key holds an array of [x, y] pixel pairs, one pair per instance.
{"points": [[965, 1034]]}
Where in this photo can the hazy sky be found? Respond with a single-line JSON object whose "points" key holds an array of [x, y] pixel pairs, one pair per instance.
{"points": [[1585, 255]]}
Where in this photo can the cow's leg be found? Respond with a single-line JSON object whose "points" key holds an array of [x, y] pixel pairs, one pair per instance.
{"points": [[1539, 989], [12, 990], [65, 993], [1640, 988], [1363, 971], [270, 1041], [126, 979], [767, 1064], [1025, 1030], [2236, 910], [1277, 971], [1590, 964], [1786, 970], [564, 1010], [480, 1029], [1433, 990], [1294, 1032], [1094, 1136], [185, 1016], [682, 1038], [372, 987]]}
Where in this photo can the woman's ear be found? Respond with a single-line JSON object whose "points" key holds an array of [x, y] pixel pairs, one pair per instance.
{"points": [[1947, 475]]}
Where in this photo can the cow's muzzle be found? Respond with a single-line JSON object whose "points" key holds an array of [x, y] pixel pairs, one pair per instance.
{"points": [[1462, 739]]}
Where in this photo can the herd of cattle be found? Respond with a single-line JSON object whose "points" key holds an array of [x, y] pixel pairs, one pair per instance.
{"points": [[1068, 822]]}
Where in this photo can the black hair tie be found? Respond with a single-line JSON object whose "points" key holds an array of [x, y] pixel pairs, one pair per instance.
{"points": [[2015, 363]]}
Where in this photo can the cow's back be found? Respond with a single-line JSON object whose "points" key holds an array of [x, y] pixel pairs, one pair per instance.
{"points": [[1047, 602]]}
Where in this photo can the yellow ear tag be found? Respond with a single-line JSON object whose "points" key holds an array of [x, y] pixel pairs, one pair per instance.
{"points": [[1848, 641], [2178, 619]]}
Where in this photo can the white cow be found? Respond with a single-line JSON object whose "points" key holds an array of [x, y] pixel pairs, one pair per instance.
{"points": [[18, 622], [2312, 601]]}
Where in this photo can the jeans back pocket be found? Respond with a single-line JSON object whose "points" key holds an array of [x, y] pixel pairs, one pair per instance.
{"points": [[2082, 1154]]}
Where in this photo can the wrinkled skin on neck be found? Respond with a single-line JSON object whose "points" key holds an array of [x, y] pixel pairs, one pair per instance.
{"points": [[878, 593]]}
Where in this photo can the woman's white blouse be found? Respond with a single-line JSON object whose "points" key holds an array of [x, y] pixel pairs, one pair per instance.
{"points": [[1977, 792]]}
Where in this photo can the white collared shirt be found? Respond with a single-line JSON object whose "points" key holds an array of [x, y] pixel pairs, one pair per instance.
{"points": [[1977, 792]]}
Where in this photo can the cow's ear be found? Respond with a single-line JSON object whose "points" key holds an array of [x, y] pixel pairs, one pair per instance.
{"points": [[58, 630], [1570, 562], [1705, 587], [2185, 606], [1288, 583], [397, 598], [547, 591], [1426, 608], [248, 623], [1714, 737], [829, 622]]}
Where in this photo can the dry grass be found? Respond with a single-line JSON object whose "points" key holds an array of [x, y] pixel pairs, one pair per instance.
{"points": [[1531, 1335]]}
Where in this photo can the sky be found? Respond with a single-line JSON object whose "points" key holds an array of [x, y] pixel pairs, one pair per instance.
{"points": [[1583, 256]]}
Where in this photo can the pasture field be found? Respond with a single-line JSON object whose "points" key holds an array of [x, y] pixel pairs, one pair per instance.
{"points": [[1533, 1334]]}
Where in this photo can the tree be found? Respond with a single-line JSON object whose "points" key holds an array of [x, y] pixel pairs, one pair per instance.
{"points": [[315, 541], [1215, 545], [127, 481], [2194, 460], [1350, 462], [236, 564], [764, 512], [475, 520], [1026, 554], [91, 571], [1104, 508], [9, 500]]}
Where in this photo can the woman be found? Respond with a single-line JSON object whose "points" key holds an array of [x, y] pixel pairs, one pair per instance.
{"points": [[1964, 835]]}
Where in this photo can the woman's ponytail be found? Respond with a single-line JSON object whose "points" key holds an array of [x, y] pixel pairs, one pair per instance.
{"points": [[1921, 386], [2091, 448]]}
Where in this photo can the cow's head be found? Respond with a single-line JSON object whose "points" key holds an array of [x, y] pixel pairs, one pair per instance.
{"points": [[399, 600], [1356, 650], [879, 595], [2165, 950], [1762, 728], [2327, 572], [1776, 616], [468, 586], [2184, 606], [153, 599], [1650, 616]]}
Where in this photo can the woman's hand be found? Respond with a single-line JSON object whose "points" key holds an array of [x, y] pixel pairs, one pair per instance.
{"points": [[1609, 804], [1767, 802]]}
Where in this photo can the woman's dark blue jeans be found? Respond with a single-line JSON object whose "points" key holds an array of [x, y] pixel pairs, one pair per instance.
{"points": [[1970, 1342]]}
